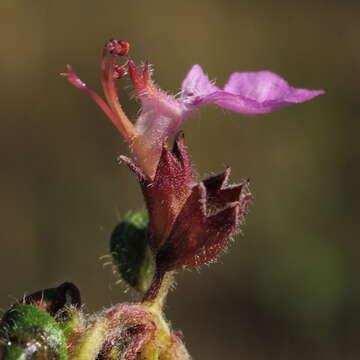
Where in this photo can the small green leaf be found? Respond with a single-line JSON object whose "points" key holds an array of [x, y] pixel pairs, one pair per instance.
{"points": [[28, 332], [131, 252]]}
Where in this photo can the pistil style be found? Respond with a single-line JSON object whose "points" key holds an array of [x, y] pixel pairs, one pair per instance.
{"points": [[109, 73]]}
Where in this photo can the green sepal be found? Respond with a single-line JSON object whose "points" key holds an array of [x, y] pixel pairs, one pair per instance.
{"points": [[90, 343], [28, 332], [129, 246]]}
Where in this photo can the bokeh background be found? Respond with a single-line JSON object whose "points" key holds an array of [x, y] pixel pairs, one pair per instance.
{"points": [[289, 288]]}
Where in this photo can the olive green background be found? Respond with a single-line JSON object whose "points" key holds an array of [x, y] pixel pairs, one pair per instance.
{"points": [[289, 287]]}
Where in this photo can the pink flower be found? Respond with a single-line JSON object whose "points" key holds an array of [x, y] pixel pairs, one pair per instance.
{"points": [[162, 114]]}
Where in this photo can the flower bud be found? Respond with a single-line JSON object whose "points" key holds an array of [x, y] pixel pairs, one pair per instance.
{"points": [[28, 332], [53, 300], [131, 251], [175, 349]]}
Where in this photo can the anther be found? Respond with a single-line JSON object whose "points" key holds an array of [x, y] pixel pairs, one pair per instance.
{"points": [[120, 71], [118, 47]]}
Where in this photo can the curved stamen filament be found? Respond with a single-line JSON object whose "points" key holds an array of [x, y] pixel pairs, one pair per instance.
{"points": [[77, 82], [108, 112], [110, 91]]}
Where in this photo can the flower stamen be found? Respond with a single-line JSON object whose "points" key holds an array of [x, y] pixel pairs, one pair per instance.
{"points": [[118, 47], [109, 86], [77, 82], [120, 71], [110, 72]]}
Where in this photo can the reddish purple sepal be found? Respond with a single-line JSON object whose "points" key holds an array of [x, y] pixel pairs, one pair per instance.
{"points": [[210, 216], [130, 328], [166, 194]]}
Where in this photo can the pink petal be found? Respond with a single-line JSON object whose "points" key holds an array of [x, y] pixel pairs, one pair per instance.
{"points": [[263, 86], [196, 85], [259, 92]]}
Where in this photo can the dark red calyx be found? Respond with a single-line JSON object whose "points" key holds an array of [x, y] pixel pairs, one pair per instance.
{"points": [[127, 343], [190, 225], [130, 328], [53, 300]]}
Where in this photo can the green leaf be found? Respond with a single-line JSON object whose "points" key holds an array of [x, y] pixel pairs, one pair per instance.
{"points": [[129, 246]]}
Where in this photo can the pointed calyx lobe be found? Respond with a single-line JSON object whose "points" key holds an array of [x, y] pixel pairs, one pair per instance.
{"points": [[189, 223], [167, 192], [211, 214]]}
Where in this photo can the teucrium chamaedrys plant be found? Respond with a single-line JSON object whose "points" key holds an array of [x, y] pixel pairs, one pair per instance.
{"points": [[186, 222]]}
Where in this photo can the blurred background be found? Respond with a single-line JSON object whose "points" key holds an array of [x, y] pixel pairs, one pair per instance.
{"points": [[289, 288]]}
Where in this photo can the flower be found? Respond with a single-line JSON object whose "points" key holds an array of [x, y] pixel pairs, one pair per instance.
{"points": [[161, 114], [189, 223]]}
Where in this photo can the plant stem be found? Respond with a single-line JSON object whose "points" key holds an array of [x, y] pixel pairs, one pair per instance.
{"points": [[156, 295]]}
